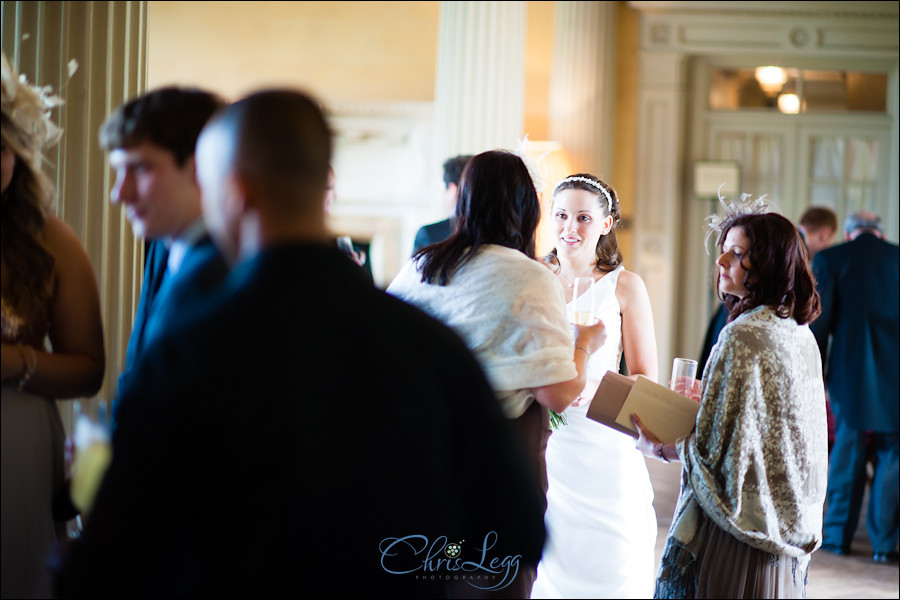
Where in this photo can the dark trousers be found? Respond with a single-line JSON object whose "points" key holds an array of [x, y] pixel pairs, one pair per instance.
{"points": [[847, 484]]}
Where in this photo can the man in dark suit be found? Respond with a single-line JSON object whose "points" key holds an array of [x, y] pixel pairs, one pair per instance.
{"points": [[304, 433], [440, 231], [151, 140], [858, 333], [818, 226]]}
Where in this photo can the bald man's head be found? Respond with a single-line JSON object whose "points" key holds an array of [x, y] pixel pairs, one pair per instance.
{"points": [[862, 221], [269, 152], [281, 138]]}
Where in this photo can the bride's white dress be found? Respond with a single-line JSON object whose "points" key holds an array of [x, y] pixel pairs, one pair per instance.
{"points": [[600, 519]]}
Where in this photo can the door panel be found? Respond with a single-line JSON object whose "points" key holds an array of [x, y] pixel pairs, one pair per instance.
{"points": [[839, 160]]}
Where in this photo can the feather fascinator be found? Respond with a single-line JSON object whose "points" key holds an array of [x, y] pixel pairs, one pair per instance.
{"points": [[28, 107], [746, 205]]}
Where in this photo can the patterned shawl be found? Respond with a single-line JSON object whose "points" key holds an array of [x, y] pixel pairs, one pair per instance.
{"points": [[757, 460]]}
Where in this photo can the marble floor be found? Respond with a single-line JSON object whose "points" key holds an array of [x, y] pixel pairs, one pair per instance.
{"points": [[830, 576]]}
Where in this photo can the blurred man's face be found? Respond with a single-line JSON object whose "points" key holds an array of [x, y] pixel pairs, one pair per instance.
{"points": [[330, 194], [160, 197], [448, 198], [819, 240]]}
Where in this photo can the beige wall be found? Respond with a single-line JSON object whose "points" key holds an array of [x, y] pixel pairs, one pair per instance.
{"points": [[343, 52], [339, 51], [353, 56]]}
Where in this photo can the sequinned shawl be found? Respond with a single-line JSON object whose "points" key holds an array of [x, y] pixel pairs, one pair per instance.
{"points": [[757, 460]]}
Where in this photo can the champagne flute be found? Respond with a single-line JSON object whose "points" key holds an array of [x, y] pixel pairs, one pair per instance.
{"points": [[93, 453], [581, 301]]}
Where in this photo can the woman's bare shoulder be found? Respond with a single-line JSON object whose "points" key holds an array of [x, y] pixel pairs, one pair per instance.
{"points": [[63, 243], [630, 285], [59, 235]]}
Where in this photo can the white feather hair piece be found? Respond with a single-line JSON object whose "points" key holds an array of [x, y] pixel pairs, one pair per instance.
{"points": [[29, 107], [525, 150], [746, 205]]}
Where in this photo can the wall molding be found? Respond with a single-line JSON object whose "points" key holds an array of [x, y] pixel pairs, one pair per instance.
{"points": [[820, 27], [797, 8]]}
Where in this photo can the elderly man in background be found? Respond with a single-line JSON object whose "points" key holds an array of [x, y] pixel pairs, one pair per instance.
{"points": [[858, 335]]}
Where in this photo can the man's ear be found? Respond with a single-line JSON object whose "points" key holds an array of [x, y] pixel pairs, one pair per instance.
{"points": [[190, 167], [237, 196], [191, 163]]}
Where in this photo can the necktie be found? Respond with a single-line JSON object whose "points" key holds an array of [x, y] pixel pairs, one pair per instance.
{"points": [[158, 259]]}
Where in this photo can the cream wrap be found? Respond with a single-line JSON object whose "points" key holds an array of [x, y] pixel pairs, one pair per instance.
{"points": [[511, 312]]}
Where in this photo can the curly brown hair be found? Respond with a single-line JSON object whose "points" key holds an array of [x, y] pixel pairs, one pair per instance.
{"points": [[779, 275]]}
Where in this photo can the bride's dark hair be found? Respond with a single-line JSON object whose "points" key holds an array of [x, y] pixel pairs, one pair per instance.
{"points": [[608, 254]]}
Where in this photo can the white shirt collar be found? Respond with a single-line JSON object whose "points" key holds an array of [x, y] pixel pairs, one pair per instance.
{"points": [[180, 245]]}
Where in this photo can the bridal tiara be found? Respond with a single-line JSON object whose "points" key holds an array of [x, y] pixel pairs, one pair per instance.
{"points": [[591, 183]]}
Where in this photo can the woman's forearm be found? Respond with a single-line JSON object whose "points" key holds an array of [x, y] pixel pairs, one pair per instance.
{"points": [[559, 396], [63, 376]]}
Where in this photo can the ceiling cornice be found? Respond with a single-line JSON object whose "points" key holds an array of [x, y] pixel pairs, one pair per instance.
{"points": [[827, 10]]}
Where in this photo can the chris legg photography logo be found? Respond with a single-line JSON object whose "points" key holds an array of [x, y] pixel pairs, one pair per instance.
{"points": [[444, 559]]}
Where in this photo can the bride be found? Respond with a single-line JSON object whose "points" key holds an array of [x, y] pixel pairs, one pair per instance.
{"points": [[600, 520]]}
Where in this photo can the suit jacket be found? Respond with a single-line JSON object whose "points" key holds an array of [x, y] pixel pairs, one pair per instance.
{"points": [[716, 324], [432, 234], [858, 282], [284, 440], [164, 301]]}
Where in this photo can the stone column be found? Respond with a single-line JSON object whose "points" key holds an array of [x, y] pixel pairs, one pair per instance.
{"points": [[480, 82], [658, 190], [583, 83], [108, 41]]}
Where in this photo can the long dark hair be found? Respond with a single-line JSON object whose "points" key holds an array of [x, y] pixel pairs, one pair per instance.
{"points": [[608, 254], [27, 264], [779, 274], [497, 204]]}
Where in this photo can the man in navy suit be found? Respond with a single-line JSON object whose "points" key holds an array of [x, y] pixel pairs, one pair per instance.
{"points": [[818, 226], [151, 142], [303, 433], [440, 231], [858, 333]]}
